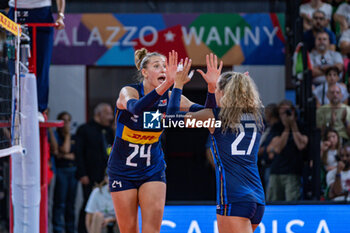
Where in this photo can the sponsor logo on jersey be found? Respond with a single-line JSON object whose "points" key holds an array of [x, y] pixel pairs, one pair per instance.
{"points": [[162, 103], [140, 137], [151, 120]]}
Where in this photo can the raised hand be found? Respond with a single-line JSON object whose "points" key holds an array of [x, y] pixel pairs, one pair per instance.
{"points": [[213, 72], [182, 76], [171, 67], [325, 146]]}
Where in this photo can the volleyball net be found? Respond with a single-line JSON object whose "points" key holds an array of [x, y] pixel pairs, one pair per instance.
{"points": [[19, 127], [10, 139]]}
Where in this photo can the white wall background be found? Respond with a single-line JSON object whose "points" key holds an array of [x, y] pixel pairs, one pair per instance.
{"points": [[270, 81], [68, 92]]}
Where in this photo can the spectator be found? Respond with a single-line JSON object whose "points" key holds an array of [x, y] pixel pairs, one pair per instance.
{"points": [[335, 115], [329, 149], [272, 119], [318, 25], [99, 209], [39, 11], [93, 141], [307, 9], [338, 179], [342, 16], [66, 183], [322, 58], [344, 42], [286, 152], [332, 78]]}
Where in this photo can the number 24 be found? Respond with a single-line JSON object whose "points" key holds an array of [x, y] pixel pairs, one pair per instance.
{"points": [[142, 154], [234, 150]]}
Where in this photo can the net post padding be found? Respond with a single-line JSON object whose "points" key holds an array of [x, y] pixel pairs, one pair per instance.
{"points": [[26, 168]]}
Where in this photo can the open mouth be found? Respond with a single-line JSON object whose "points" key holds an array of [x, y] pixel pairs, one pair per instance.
{"points": [[161, 79]]}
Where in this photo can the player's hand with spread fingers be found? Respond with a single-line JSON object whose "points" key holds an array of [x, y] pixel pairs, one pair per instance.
{"points": [[171, 67], [213, 71], [182, 77]]}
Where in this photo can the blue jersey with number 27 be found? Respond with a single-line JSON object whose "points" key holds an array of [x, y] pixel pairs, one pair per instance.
{"points": [[235, 156]]}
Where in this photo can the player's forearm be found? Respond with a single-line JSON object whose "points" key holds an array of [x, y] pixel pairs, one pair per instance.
{"points": [[138, 106], [174, 101]]}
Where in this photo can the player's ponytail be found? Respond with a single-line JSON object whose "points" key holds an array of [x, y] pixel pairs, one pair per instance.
{"points": [[140, 54]]}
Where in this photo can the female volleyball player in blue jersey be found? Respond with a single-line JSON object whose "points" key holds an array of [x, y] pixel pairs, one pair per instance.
{"points": [[240, 195], [136, 167]]}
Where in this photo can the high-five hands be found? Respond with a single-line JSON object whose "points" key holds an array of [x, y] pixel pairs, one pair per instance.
{"points": [[171, 67], [182, 76], [213, 72]]}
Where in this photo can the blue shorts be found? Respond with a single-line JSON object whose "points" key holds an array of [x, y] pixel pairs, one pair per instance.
{"points": [[117, 183], [251, 210]]}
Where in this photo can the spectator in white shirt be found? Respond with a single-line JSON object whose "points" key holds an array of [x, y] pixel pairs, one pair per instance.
{"points": [[332, 77], [99, 209], [329, 149], [322, 58], [342, 16], [307, 9]]}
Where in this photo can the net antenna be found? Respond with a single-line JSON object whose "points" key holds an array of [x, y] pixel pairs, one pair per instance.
{"points": [[10, 118]]}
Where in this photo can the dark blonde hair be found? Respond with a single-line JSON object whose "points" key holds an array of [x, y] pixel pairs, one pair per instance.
{"points": [[142, 57], [240, 96]]}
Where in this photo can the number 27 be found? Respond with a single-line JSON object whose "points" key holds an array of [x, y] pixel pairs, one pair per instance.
{"points": [[234, 150]]}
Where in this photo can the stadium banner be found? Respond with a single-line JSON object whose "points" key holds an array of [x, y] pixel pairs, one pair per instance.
{"points": [[111, 39], [277, 219]]}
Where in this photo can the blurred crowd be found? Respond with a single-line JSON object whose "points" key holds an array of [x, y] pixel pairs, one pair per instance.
{"points": [[82, 158], [284, 159]]}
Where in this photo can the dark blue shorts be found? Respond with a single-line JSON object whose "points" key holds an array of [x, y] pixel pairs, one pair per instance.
{"points": [[117, 183], [251, 210]]}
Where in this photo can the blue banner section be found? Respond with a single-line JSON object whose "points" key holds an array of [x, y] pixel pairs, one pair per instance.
{"points": [[277, 219]]}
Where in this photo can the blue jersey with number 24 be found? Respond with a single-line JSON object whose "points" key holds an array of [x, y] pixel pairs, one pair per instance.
{"points": [[137, 152]]}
